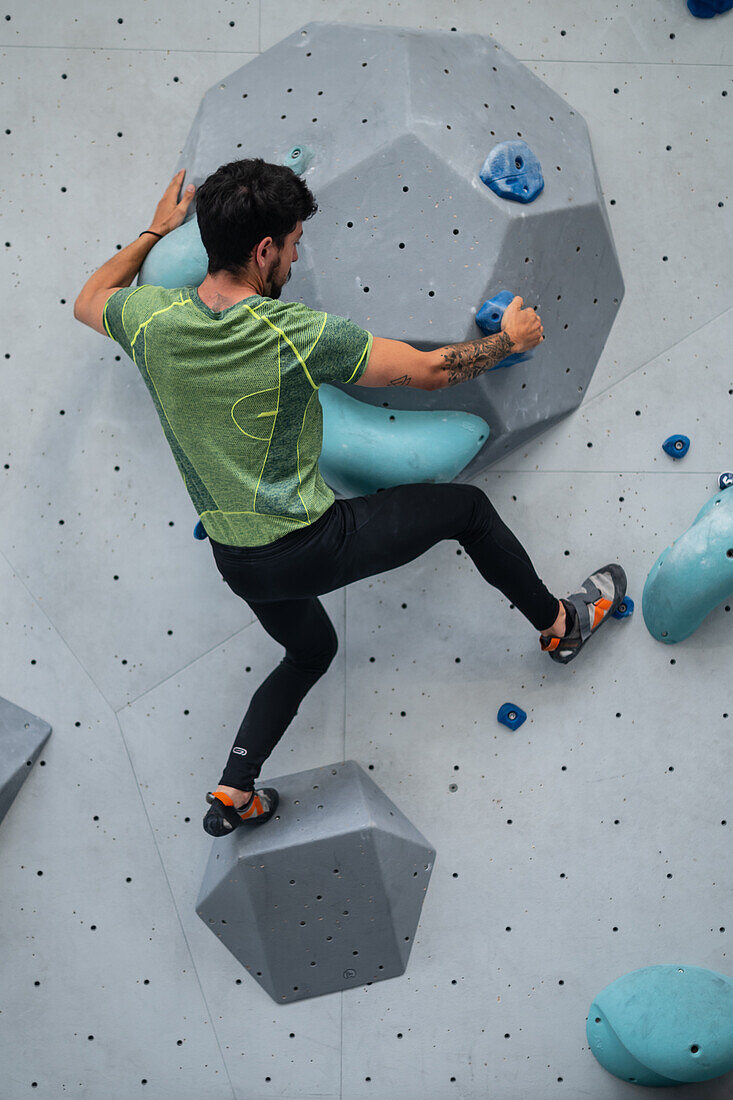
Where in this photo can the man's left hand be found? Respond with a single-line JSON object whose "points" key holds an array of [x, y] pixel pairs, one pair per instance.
{"points": [[170, 213]]}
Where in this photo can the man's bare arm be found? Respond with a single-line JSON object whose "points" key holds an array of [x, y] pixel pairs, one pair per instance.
{"points": [[462, 362], [394, 363]]}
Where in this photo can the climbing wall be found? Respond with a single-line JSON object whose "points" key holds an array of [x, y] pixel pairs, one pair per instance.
{"points": [[590, 842]]}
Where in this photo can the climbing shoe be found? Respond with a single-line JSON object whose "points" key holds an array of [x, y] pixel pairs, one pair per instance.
{"points": [[223, 817], [586, 611]]}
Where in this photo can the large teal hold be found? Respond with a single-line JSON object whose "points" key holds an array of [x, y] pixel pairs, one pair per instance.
{"points": [[178, 259], [366, 448], [693, 575], [664, 1025]]}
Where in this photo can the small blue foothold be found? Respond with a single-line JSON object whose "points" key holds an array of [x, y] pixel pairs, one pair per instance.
{"points": [[199, 531], [624, 609], [512, 171], [676, 445], [706, 9], [489, 319], [725, 480], [511, 715]]}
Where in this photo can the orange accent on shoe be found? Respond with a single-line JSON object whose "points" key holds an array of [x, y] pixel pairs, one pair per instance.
{"points": [[553, 644], [600, 607], [225, 798]]}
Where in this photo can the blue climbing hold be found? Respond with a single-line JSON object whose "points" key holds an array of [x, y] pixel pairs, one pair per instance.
{"points": [[199, 531], [299, 158], [725, 480], [511, 715], [512, 171], [664, 1025], [489, 319], [676, 445], [693, 575], [625, 609], [706, 9]]}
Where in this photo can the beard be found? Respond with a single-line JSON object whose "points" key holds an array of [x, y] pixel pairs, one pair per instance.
{"points": [[276, 286]]}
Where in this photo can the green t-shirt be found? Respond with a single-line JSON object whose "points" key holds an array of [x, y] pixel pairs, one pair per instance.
{"points": [[237, 396]]}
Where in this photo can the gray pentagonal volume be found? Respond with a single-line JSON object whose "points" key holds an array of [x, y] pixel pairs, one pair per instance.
{"points": [[22, 736], [325, 896], [408, 241]]}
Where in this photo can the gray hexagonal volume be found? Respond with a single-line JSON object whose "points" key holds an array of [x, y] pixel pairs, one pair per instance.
{"points": [[329, 897], [398, 125]]}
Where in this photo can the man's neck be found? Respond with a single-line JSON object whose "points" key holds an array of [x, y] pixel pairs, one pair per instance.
{"points": [[219, 296]]}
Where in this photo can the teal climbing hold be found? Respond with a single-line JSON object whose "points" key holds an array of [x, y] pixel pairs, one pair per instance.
{"points": [[178, 259], [299, 158], [693, 575], [366, 447], [664, 1025]]}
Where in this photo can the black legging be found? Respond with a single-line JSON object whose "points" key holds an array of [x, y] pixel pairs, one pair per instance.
{"points": [[353, 539]]}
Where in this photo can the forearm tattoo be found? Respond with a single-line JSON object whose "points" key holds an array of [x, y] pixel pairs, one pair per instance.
{"points": [[466, 361]]}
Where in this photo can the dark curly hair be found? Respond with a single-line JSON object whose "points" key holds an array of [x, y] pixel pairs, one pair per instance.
{"points": [[245, 201]]}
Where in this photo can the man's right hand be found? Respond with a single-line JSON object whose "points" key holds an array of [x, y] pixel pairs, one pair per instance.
{"points": [[522, 326]]}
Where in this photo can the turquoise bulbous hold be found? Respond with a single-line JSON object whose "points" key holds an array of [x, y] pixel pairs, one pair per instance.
{"points": [[693, 575], [664, 1025], [366, 448], [178, 259]]}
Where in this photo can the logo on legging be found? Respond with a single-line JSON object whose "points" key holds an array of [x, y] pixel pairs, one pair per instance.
{"points": [[241, 752]]}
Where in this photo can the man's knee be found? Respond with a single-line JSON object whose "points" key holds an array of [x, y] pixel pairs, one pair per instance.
{"points": [[317, 659], [482, 513]]}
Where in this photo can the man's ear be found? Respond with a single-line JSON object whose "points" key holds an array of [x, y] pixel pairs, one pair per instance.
{"points": [[262, 252]]}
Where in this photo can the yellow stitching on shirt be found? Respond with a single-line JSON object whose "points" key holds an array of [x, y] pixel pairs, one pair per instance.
{"points": [[295, 350], [279, 386], [360, 361], [245, 397], [127, 299], [318, 337], [320, 334], [143, 324]]}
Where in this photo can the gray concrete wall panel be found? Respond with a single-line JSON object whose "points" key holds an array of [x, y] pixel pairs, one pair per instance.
{"points": [[117, 629]]}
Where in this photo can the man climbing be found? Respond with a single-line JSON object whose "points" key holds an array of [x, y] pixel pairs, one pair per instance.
{"points": [[234, 375]]}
